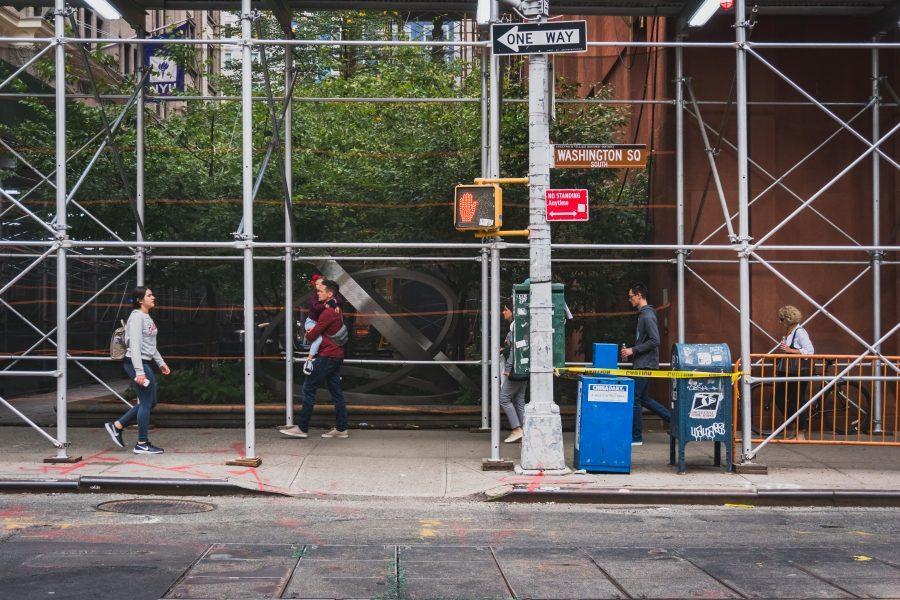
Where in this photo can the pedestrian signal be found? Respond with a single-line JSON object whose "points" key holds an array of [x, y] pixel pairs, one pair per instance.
{"points": [[478, 207]]}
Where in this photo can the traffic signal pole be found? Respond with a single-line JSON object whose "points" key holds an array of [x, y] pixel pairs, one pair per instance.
{"points": [[542, 445]]}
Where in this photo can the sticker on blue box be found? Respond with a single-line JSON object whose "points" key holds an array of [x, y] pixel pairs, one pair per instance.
{"points": [[705, 405], [607, 392]]}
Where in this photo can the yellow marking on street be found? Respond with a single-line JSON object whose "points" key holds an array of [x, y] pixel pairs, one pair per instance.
{"points": [[10, 524], [862, 558], [858, 532], [428, 527], [734, 505]]}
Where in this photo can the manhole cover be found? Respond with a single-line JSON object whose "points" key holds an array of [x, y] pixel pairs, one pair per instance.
{"points": [[150, 506]]}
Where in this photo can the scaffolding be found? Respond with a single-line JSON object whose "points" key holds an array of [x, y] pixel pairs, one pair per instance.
{"points": [[489, 254]]}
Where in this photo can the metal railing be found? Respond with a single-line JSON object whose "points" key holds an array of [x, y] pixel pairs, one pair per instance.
{"points": [[860, 408]]}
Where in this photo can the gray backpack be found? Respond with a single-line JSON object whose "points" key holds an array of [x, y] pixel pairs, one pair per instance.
{"points": [[341, 336], [117, 345]]}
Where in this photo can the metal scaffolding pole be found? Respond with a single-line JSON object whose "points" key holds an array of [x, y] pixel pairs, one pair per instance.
{"points": [[288, 253], [542, 444], [486, 308], [486, 61], [485, 339], [679, 185], [140, 253], [743, 184], [877, 256], [246, 235], [493, 171], [495, 355], [62, 325]]}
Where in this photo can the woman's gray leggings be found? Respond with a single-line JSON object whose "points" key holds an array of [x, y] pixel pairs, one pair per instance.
{"points": [[512, 400]]}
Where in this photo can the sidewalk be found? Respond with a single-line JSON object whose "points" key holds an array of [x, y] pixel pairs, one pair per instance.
{"points": [[424, 464]]}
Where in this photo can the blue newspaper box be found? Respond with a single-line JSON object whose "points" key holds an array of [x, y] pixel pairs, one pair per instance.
{"points": [[702, 407], [603, 418]]}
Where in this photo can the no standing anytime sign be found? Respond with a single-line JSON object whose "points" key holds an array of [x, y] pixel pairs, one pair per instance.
{"points": [[567, 205]]}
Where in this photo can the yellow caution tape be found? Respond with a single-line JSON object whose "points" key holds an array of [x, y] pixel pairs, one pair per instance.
{"points": [[646, 373]]}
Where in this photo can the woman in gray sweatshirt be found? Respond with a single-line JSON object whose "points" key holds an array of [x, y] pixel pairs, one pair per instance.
{"points": [[140, 340]]}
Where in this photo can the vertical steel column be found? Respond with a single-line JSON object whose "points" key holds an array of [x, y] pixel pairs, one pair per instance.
{"points": [[495, 351], [62, 323], [494, 117], [485, 119], [542, 446], [679, 183], [877, 255], [288, 253], [494, 171], [485, 252], [485, 338], [740, 13], [139, 169], [247, 234]]}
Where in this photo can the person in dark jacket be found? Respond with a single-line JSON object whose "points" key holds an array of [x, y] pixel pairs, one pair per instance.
{"points": [[326, 367], [644, 355]]}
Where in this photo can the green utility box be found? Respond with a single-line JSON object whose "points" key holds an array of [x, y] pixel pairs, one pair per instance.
{"points": [[522, 326]]}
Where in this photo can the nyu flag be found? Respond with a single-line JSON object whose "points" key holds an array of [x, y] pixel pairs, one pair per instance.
{"points": [[166, 75]]}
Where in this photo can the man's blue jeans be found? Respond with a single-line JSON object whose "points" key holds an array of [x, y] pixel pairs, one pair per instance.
{"points": [[641, 399], [146, 400], [325, 371]]}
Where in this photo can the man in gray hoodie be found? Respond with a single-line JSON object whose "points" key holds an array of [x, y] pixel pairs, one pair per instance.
{"points": [[644, 355]]}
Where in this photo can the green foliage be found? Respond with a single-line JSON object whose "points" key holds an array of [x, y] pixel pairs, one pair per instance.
{"points": [[361, 171], [222, 383]]}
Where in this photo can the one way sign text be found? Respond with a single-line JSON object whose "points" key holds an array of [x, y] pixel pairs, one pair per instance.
{"points": [[539, 38]]}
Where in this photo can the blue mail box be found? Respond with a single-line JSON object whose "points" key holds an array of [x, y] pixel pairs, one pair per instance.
{"points": [[702, 406]]}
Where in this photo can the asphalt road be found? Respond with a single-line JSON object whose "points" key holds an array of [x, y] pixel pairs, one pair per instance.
{"points": [[63, 546]]}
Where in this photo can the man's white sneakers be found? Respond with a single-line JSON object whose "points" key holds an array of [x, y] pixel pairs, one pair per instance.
{"points": [[335, 433], [294, 431]]}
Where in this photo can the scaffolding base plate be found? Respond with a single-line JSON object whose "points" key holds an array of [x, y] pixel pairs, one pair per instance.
{"points": [[244, 462], [750, 468], [488, 464], [66, 460]]}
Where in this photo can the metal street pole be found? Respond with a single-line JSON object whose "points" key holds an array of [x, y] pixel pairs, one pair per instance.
{"points": [[740, 13], [679, 185], [139, 173], [542, 446], [62, 328], [288, 253], [877, 256]]}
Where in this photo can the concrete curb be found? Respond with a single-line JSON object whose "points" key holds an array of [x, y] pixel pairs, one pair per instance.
{"points": [[128, 485], [759, 497]]}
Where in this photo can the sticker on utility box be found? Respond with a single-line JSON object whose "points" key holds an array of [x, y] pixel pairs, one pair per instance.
{"points": [[607, 392], [705, 405]]}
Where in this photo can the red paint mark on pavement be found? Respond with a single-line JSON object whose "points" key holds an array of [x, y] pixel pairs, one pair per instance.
{"points": [[535, 481], [13, 512]]}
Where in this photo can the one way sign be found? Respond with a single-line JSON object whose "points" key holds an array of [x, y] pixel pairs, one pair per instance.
{"points": [[538, 38]]}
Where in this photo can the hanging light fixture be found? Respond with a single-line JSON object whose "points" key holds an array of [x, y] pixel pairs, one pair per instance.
{"points": [[703, 13], [104, 9]]}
